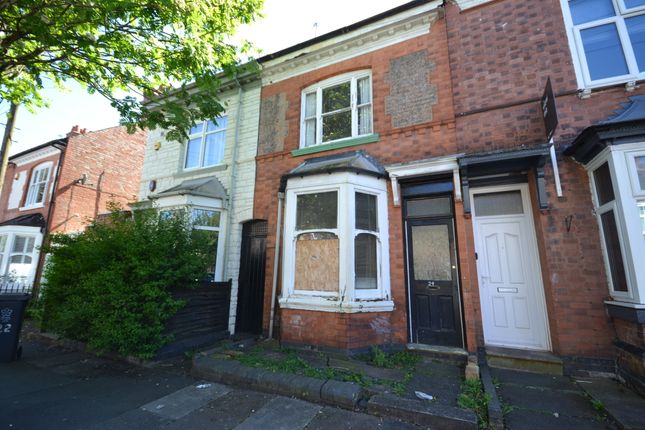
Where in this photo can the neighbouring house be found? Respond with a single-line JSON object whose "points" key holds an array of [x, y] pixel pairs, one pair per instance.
{"points": [[211, 178], [411, 188], [58, 187]]}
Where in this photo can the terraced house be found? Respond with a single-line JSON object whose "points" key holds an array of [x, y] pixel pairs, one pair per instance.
{"points": [[415, 195], [57, 187]]}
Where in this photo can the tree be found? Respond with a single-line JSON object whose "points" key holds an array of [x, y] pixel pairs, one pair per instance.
{"points": [[173, 52]]}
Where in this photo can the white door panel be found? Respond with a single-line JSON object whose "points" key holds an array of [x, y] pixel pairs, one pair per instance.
{"points": [[511, 290]]}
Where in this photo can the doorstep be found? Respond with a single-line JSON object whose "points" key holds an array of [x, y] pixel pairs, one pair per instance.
{"points": [[443, 353], [524, 360]]}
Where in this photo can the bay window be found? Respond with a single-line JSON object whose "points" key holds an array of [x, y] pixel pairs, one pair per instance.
{"points": [[18, 254], [607, 39], [337, 108], [336, 244]]}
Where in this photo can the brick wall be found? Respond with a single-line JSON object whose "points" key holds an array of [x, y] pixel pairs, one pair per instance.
{"points": [[111, 159], [430, 134], [501, 55]]}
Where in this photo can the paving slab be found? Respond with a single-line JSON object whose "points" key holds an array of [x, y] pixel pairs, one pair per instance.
{"points": [[334, 418], [522, 419], [624, 405], [184, 401], [441, 380], [131, 420], [225, 413], [281, 413], [537, 380], [574, 404]]}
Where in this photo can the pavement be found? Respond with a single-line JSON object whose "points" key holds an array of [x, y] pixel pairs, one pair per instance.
{"points": [[53, 388], [538, 401]]}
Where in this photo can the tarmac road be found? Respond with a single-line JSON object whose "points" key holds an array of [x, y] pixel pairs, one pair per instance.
{"points": [[50, 389]]}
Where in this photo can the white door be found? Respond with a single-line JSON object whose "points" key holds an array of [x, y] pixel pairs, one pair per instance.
{"points": [[510, 281]]}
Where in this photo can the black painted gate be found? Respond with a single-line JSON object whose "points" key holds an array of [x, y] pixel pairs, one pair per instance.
{"points": [[250, 295]]}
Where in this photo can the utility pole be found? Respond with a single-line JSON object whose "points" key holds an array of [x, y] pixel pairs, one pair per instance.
{"points": [[6, 141]]}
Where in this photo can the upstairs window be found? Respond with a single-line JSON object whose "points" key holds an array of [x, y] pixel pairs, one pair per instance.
{"points": [[608, 39], [337, 108], [38, 185], [205, 146]]}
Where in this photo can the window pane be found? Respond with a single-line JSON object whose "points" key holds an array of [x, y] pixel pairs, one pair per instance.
{"points": [[590, 10], [40, 193], [317, 262], [604, 186], [317, 210], [436, 206], [16, 259], [365, 262], [337, 126], [192, 152], [30, 245], [365, 119], [604, 52], [337, 97], [364, 91], [506, 203], [614, 254], [214, 151], [641, 208], [19, 244], [3, 242], [431, 253], [310, 105], [366, 212], [197, 128], [218, 124], [310, 132], [636, 30], [209, 238], [203, 217], [634, 3], [640, 171]]}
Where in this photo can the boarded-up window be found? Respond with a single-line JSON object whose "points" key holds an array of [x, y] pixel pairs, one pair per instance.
{"points": [[317, 262]]}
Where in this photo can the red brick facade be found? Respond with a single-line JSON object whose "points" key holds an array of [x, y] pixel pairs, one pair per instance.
{"points": [[490, 66], [111, 160]]}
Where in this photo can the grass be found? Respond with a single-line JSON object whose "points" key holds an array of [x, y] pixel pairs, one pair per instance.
{"points": [[599, 407], [473, 397], [394, 360], [290, 362]]}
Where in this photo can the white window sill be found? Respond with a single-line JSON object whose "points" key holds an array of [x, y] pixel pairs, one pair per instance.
{"points": [[28, 208], [630, 84], [200, 170], [334, 305]]}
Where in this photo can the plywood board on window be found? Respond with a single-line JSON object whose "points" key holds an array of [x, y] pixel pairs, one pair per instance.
{"points": [[317, 265]]}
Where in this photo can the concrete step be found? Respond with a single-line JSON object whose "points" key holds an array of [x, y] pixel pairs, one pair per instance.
{"points": [[625, 406], [447, 354], [524, 360]]}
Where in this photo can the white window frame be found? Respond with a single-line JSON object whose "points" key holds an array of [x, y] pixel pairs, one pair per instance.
{"points": [[577, 48], [346, 299], [220, 239], [627, 216], [641, 209], [11, 232], [202, 148], [34, 186], [633, 173], [318, 88]]}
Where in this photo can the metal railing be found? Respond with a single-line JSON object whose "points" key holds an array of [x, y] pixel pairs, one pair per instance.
{"points": [[15, 285]]}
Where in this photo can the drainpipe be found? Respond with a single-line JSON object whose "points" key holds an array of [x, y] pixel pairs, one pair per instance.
{"points": [[276, 262], [233, 177]]}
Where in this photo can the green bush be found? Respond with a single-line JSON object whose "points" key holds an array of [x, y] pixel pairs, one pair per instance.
{"points": [[109, 286]]}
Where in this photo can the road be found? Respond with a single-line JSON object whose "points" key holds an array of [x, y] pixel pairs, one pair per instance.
{"points": [[50, 388]]}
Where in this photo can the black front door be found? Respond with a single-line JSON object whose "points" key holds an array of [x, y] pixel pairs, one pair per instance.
{"points": [[250, 293], [435, 305]]}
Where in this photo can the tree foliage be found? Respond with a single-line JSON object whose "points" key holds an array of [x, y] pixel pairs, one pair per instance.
{"points": [[108, 286], [153, 48]]}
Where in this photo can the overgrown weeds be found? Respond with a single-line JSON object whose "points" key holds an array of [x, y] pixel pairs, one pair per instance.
{"points": [[473, 397]]}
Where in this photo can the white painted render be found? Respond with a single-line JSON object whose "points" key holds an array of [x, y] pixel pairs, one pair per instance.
{"points": [[165, 166], [17, 187]]}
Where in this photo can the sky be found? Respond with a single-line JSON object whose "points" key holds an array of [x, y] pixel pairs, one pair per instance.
{"points": [[285, 23]]}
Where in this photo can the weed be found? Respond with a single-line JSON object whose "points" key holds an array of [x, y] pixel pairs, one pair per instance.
{"points": [[473, 397], [400, 359], [599, 407]]}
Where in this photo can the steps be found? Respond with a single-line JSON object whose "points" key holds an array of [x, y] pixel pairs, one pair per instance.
{"points": [[525, 360]]}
